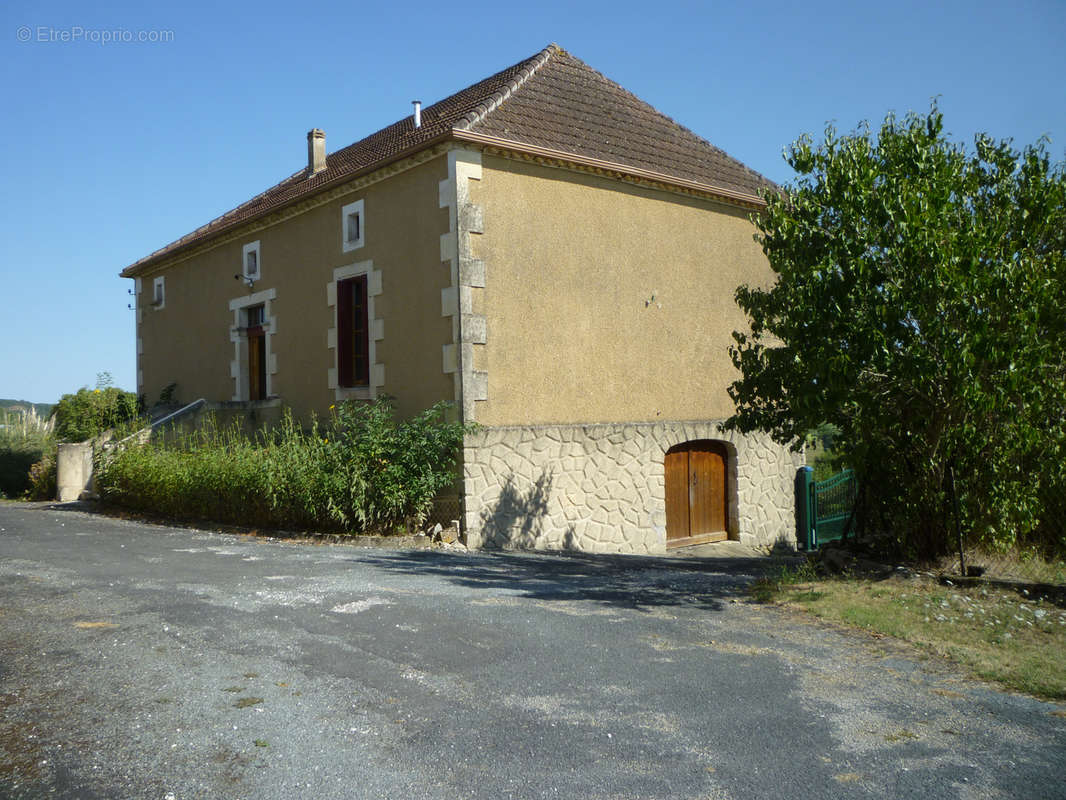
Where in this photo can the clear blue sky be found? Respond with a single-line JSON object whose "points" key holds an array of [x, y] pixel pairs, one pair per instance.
{"points": [[109, 150]]}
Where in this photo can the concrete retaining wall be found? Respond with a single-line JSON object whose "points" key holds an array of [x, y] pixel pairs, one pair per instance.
{"points": [[74, 471]]}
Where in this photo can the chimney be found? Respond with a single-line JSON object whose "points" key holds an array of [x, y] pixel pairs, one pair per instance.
{"points": [[316, 151], [418, 112]]}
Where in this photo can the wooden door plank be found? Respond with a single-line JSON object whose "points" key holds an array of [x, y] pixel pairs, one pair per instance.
{"points": [[677, 500], [255, 364], [707, 478]]}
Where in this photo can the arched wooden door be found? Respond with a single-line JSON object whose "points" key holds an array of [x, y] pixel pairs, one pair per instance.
{"points": [[697, 493]]}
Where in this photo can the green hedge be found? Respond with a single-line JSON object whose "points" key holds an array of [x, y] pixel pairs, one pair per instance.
{"points": [[90, 412], [27, 453], [361, 471]]}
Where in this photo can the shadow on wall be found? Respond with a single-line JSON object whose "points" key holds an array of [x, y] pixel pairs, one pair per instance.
{"points": [[517, 517]]}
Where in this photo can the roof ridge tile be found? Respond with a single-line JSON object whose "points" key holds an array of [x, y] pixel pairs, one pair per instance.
{"points": [[495, 100]]}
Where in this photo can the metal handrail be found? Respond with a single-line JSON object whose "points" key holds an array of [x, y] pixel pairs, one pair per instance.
{"points": [[174, 415]]}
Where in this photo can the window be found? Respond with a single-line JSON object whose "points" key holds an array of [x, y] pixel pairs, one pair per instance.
{"points": [[353, 332], [353, 227], [255, 317], [254, 363], [250, 261], [159, 292]]}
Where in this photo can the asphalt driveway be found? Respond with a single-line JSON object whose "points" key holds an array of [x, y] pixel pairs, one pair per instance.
{"points": [[141, 661]]}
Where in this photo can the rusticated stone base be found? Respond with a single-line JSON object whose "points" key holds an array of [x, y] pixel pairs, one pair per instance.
{"points": [[600, 488]]}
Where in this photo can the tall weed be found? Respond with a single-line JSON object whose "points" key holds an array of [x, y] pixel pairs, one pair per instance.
{"points": [[361, 471], [27, 454]]}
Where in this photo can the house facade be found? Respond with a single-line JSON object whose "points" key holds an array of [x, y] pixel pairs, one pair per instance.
{"points": [[542, 249]]}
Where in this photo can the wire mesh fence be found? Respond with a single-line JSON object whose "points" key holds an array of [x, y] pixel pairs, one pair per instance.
{"points": [[446, 511]]}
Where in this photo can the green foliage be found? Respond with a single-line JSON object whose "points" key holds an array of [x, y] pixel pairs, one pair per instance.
{"points": [[15, 462], [918, 308], [820, 454], [43, 476], [364, 471], [767, 588], [25, 442], [393, 470], [89, 412]]}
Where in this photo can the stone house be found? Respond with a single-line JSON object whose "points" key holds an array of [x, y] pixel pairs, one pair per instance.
{"points": [[543, 249]]}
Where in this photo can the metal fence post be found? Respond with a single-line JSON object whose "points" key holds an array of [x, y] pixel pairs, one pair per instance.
{"points": [[805, 508]]}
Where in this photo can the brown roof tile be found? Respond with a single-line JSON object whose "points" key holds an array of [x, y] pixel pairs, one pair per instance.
{"points": [[551, 101]]}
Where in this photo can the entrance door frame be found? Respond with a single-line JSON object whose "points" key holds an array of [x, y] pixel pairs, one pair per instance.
{"points": [[718, 449], [239, 337]]}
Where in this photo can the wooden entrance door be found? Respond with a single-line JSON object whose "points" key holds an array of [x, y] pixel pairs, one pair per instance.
{"points": [[256, 353], [697, 493]]}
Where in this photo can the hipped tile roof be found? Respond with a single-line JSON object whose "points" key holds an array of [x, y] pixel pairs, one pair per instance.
{"points": [[553, 102]]}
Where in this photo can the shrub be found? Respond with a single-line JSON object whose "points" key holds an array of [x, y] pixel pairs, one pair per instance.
{"points": [[393, 470], [25, 440], [89, 412], [43, 477], [363, 471], [15, 463]]}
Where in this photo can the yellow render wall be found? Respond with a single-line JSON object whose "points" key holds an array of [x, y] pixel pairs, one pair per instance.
{"points": [[188, 341], [606, 302]]}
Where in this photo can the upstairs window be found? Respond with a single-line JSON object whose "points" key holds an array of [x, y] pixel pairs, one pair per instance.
{"points": [[255, 315], [250, 261], [159, 292], [353, 226], [353, 332]]}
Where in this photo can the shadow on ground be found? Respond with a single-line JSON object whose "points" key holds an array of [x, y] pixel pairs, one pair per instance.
{"points": [[640, 583]]}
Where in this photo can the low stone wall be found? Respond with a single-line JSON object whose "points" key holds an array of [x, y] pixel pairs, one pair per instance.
{"points": [[74, 471], [600, 488]]}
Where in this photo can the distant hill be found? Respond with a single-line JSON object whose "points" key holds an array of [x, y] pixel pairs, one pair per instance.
{"points": [[43, 409]]}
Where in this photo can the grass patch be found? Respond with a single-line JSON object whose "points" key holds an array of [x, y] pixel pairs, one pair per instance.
{"points": [[997, 634], [1012, 564]]}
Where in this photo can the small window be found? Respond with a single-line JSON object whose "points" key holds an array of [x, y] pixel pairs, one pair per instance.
{"points": [[159, 292], [352, 226], [250, 261], [256, 315]]}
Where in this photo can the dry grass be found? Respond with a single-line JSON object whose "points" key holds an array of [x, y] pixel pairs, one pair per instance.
{"points": [[1010, 565], [1015, 639]]}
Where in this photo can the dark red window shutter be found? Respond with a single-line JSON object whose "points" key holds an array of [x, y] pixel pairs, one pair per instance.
{"points": [[353, 332], [344, 333], [361, 332]]}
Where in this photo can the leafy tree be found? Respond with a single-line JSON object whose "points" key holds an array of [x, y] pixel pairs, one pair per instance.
{"points": [[89, 412], [919, 308]]}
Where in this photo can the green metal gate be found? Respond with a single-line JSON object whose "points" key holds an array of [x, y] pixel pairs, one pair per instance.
{"points": [[823, 508]]}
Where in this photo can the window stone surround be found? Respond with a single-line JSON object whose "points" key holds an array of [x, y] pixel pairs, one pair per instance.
{"points": [[377, 332], [238, 367]]}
